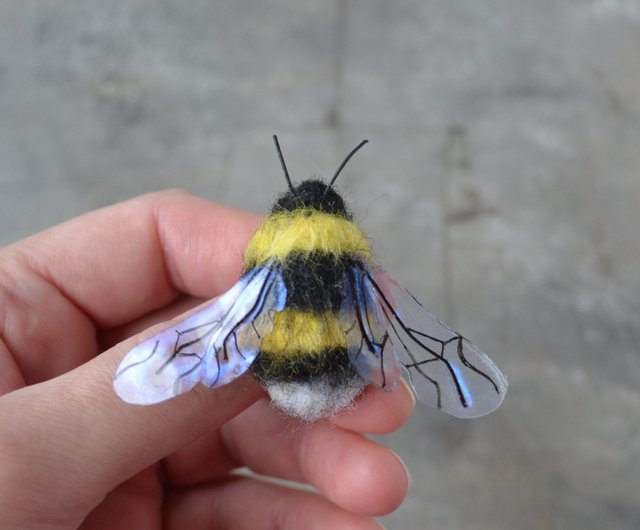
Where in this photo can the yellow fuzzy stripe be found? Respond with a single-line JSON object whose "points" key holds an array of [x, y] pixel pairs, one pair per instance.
{"points": [[295, 332], [305, 231]]}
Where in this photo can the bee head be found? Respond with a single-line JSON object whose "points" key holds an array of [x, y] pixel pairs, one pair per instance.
{"points": [[313, 194]]}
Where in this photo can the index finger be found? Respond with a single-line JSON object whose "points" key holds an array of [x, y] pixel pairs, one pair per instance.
{"points": [[123, 261]]}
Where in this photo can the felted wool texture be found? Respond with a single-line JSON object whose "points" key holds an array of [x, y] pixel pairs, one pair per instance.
{"points": [[315, 399], [305, 231], [312, 194], [306, 333], [304, 346], [315, 281], [334, 364], [303, 362]]}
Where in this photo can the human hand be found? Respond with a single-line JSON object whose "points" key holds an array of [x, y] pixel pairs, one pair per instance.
{"points": [[72, 454]]}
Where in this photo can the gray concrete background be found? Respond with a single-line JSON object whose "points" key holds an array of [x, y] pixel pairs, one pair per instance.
{"points": [[501, 185]]}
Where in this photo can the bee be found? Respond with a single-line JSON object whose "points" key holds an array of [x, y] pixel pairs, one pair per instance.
{"points": [[316, 321]]}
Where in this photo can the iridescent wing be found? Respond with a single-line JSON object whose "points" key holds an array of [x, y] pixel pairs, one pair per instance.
{"points": [[214, 345], [387, 327], [368, 343]]}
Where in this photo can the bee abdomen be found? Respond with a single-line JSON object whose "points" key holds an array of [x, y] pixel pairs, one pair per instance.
{"points": [[317, 398], [303, 366], [309, 385], [303, 345]]}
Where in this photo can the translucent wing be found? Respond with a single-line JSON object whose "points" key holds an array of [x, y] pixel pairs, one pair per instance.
{"points": [[446, 371], [214, 345], [367, 338]]}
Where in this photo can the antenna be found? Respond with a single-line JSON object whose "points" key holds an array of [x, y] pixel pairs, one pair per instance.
{"points": [[284, 166], [344, 163]]}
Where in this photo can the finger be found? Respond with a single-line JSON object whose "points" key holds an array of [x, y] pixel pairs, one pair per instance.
{"points": [[356, 473], [108, 338], [137, 503], [207, 458], [123, 261], [377, 412], [246, 503], [66, 442], [107, 268]]}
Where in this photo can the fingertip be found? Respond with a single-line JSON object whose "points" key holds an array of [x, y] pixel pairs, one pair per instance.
{"points": [[378, 412], [406, 469], [404, 387], [376, 481], [203, 242], [356, 473]]}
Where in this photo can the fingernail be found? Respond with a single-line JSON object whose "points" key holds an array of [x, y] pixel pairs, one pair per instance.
{"points": [[406, 469], [410, 392]]}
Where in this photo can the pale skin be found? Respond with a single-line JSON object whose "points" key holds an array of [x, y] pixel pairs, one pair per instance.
{"points": [[73, 300]]}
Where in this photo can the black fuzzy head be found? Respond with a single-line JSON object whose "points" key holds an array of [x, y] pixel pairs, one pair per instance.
{"points": [[312, 194]]}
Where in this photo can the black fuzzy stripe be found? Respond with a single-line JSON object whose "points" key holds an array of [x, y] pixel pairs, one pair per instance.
{"points": [[314, 281], [333, 364]]}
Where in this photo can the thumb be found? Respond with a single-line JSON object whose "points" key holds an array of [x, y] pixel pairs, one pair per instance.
{"points": [[68, 441]]}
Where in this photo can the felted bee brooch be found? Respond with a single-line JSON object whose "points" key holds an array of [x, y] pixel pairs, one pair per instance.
{"points": [[316, 321]]}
